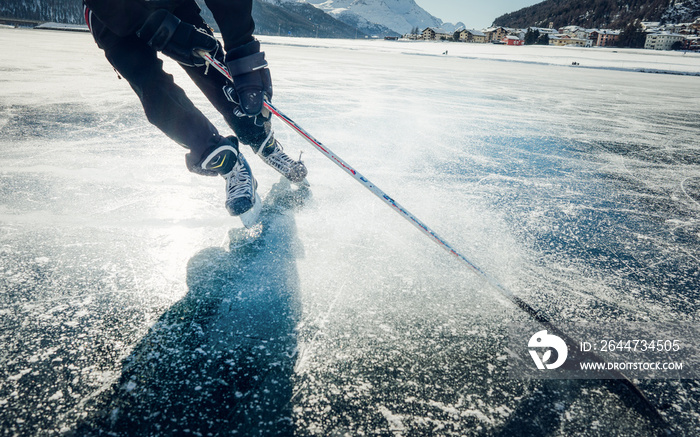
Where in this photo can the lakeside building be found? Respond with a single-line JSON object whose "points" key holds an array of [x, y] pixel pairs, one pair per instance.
{"points": [[568, 40], [605, 37], [662, 40], [496, 33], [435, 33], [513, 40], [471, 35]]}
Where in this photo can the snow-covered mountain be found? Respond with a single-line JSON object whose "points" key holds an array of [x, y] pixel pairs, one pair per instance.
{"points": [[376, 16]]}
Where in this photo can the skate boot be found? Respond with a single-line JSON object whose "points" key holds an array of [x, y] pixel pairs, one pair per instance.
{"points": [[272, 153], [241, 186]]}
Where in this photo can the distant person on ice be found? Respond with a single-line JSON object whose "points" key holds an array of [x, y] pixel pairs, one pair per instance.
{"points": [[131, 32]]}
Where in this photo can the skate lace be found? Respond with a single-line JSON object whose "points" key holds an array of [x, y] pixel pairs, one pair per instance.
{"points": [[280, 160], [239, 182]]}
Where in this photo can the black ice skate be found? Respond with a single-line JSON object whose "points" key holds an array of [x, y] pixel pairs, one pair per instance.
{"points": [[273, 155], [241, 188], [241, 197]]}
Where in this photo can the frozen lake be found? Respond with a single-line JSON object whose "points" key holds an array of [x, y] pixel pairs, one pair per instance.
{"points": [[131, 303]]}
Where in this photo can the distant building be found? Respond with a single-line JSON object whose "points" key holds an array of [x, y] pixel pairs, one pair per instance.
{"points": [[471, 35], [650, 24], [693, 43], [429, 33], [433, 33], [496, 33], [567, 40], [576, 32], [605, 37], [662, 41], [412, 36], [546, 30], [513, 40], [571, 30]]}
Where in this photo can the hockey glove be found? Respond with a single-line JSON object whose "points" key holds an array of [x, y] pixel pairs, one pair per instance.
{"points": [[165, 32], [251, 78]]}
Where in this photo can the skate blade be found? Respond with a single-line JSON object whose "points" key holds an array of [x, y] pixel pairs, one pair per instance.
{"points": [[250, 217]]}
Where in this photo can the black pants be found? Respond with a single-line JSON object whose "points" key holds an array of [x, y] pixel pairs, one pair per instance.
{"points": [[165, 104]]}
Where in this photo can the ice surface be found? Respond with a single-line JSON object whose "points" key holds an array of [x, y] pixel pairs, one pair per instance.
{"points": [[130, 302]]}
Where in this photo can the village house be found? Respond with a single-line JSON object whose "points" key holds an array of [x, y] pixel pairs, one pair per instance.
{"points": [[429, 33], [577, 32], [647, 25], [513, 40], [435, 33], [563, 39], [412, 36], [548, 30], [496, 33], [662, 40], [693, 43], [471, 35], [605, 37]]}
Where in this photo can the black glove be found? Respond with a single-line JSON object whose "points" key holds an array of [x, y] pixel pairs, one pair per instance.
{"points": [[251, 78], [181, 41]]}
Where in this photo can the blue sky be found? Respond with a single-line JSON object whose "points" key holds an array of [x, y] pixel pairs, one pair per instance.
{"points": [[475, 14]]}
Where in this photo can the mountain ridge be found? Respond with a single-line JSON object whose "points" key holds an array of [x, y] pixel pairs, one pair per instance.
{"points": [[383, 17], [600, 13]]}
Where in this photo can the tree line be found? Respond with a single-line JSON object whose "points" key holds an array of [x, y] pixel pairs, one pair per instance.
{"points": [[585, 13]]}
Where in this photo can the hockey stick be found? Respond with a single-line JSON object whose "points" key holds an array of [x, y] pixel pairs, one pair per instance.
{"points": [[532, 312]]}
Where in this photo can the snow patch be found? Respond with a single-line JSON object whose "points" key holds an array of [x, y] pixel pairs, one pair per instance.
{"points": [[395, 422]]}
